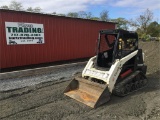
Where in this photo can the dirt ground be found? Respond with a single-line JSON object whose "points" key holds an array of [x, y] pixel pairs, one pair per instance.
{"points": [[46, 101]]}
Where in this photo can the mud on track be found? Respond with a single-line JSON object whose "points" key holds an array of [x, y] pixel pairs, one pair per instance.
{"points": [[46, 101]]}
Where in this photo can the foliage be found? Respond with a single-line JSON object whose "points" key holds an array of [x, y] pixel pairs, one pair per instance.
{"points": [[15, 5], [81, 14], [153, 29], [95, 18], [89, 15], [144, 25], [61, 14], [4, 7], [122, 23], [36, 9], [73, 14], [142, 21], [153, 32], [104, 15], [54, 13], [30, 9], [145, 37]]}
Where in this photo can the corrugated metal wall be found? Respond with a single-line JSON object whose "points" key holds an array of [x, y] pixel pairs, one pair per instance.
{"points": [[65, 39]]}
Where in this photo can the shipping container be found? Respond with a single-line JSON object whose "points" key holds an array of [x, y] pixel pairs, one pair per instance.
{"points": [[59, 38]]}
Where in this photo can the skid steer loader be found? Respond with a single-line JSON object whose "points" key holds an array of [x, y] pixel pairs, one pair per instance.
{"points": [[118, 68]]}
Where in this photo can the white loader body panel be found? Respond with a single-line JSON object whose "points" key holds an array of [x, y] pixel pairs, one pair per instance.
{"points": [[109, 76]]}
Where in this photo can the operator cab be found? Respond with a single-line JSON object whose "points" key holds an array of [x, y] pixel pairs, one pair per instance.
{"points": [[115, 44]]}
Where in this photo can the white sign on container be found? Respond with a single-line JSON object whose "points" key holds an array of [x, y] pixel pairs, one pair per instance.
{"points": [[24, 33]]}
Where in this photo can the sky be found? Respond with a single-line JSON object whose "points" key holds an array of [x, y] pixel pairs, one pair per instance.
{"points": [[128, 9]]}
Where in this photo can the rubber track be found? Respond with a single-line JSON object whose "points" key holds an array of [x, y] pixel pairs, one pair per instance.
{"points": [[130, 81]]}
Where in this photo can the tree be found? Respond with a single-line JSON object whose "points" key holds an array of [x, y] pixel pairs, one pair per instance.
{"points": [[82, 14], [143, 21], [104, 15], [89, 15], [153, 29], [85, 15], [140, 33], [15, 5], [54, 13], [30, 9], [95, 18], [37, 9], [122, 23], [5, 7], [73, 14], [61, 14]]}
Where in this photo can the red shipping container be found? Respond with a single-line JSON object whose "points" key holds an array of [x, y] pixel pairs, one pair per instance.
{"points": [[65, 39]]}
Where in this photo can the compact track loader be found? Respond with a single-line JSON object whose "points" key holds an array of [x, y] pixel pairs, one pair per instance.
{"points": [[118, 68]]}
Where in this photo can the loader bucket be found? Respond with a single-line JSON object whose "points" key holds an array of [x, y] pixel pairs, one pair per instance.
{"points": [[88, 92]]}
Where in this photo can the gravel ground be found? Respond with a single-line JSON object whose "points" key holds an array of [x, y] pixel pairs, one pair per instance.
{"points": [[46, 101], [152, 55], [61, 73]]}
